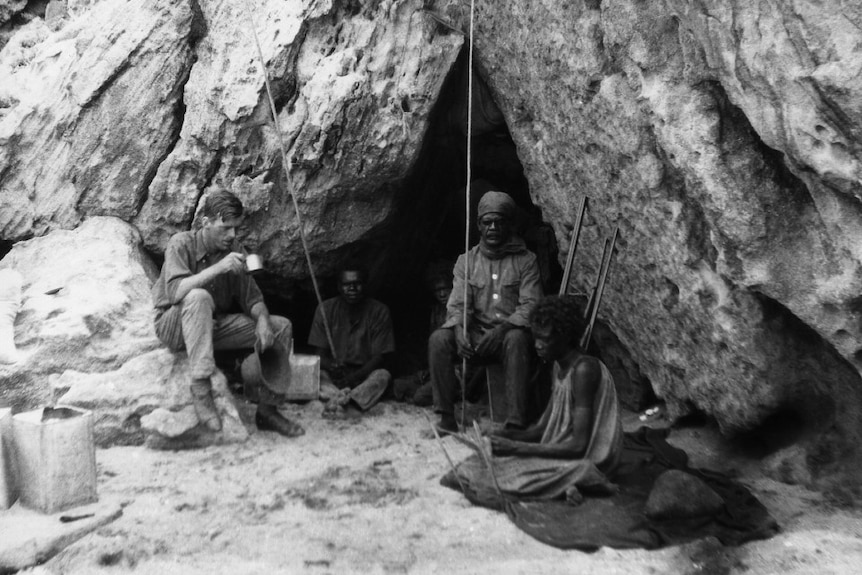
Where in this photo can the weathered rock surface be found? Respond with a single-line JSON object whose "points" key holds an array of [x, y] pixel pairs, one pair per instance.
{"points": [[9, 8], [86, 306], [148, 399], [680, 495], [354, 83], [88, 112], [722, 139], [97, 118]]}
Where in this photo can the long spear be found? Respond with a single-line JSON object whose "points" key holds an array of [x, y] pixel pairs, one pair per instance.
{"points": [[593, 291], [606, 264], [573, 246], [467, 218], [287, 164]]}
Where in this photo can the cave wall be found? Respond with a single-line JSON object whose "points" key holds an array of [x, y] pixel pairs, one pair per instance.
{"points": [[722, 138], [135, 109]]}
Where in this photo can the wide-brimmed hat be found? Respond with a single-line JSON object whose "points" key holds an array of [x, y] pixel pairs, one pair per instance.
{"points": [[270, 368]]}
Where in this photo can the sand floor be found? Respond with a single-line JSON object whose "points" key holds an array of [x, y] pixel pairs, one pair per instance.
{"points": [[363, 496]]}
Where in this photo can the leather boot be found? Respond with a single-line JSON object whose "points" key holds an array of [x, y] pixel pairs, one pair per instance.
{"points": [[268, 418], [205, 409]]}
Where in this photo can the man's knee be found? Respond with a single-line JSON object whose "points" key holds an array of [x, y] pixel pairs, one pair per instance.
{"points": [[441, 340], [516, 339], [281, 324], [197, 298]]}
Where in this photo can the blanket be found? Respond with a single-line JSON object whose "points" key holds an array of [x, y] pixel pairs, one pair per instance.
{"points": [[619, 520]]}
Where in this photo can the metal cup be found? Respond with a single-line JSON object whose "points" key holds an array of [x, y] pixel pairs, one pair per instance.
{"points": [[253, 263]]}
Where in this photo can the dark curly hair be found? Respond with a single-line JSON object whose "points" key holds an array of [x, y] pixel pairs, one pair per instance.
{"points": [[562, 314]]}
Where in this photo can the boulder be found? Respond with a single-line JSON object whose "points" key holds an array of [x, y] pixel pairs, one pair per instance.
{"points": [[9, 8], [10, 302], [148, 400], [722, 139], [86, 306], [31, 538], [88, 111], [354, 83], [680, 495]]}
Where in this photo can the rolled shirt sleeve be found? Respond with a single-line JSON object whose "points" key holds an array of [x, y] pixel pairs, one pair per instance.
{"points": [[179, 264]]}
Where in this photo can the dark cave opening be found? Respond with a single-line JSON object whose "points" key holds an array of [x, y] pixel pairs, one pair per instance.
{"points": [[425, 233], [427, 230]]}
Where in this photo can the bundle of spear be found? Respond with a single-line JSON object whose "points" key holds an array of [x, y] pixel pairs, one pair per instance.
{"points": [[595, 297]]}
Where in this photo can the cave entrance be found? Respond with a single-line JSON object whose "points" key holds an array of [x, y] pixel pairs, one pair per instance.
{"points": [[426, 233]]}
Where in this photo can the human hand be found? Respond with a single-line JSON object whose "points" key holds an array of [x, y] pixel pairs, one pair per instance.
{"points": [[501, 445], [492, 340], [233, 263], [265, 334], [465, 349]]}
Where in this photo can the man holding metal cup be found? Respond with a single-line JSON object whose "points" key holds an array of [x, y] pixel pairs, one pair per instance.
{"points": [[200, 281]]}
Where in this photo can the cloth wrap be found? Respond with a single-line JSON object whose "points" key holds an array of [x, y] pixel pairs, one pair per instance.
{"points": [[619, 521]]}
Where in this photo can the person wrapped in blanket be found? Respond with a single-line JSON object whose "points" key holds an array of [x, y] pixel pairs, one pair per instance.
{"points": [[577, 443]]}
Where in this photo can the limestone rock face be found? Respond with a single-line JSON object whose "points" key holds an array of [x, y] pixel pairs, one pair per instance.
{"points": [[87, 112], [9, 8], [354, 83], [148, 399], [86, 306], [723, 139]]}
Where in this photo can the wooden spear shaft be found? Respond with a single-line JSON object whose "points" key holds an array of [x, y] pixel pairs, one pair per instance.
{"points": [[600, 290], [573, 247], [592, 296], [467, 213], [286, 165]]}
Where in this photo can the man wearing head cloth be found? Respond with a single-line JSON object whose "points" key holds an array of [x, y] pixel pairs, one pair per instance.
{"points": [[503, 285]]}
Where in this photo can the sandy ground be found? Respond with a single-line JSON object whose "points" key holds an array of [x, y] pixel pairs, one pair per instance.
{"points": [[363, 496]]}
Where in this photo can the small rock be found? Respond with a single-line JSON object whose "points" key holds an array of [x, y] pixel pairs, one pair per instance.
{"points": [[680, 495], [170, 423]]}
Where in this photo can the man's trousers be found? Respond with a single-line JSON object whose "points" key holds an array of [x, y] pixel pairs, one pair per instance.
{"points": [[192, 325], [514, 354]]}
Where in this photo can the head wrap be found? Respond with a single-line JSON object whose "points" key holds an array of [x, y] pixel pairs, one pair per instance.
{"points": [[496, 203]]}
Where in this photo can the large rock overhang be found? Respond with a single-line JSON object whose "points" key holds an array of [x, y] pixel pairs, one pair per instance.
{"points": [[722, 139]]}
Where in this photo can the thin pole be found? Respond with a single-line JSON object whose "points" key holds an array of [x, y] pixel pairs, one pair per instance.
{"points": [[573, 247], [286, 165], [467, 218], [446, 453], [601, 289]]}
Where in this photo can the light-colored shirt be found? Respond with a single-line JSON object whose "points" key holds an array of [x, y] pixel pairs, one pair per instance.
{"points": [[186, 256], [356, 339], [499, 290]]}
